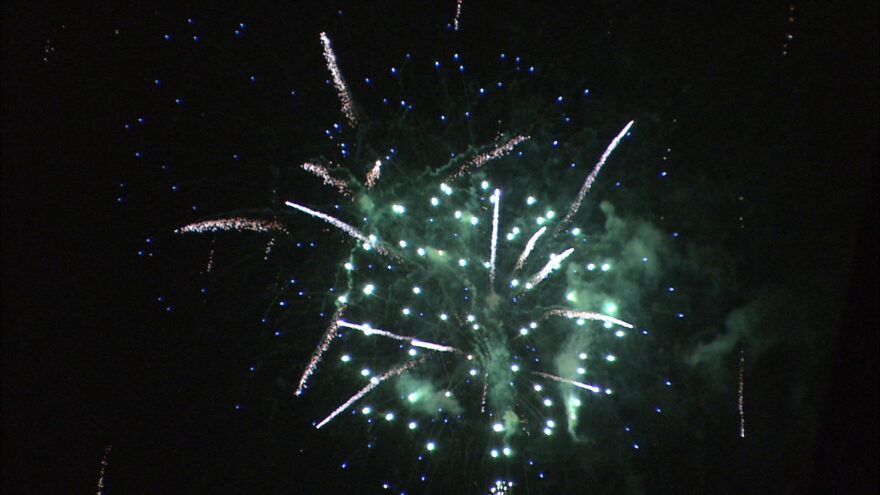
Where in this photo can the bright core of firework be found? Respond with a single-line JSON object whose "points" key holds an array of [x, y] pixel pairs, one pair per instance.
{"points": [[476, 338]]}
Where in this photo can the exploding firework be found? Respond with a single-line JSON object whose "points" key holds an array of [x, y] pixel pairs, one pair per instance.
{"points": [[472, 309]]}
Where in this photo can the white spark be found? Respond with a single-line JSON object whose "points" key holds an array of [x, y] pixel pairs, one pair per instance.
{"points": [[329, 335], [103, 471], [348, 229], [364, 391], [497, 200], [367, 330], [551, 265], [592, 388], [529, 246], [587, 315], [322, 172], [374, 173], [341, 88], [588, 183], [230, 224], [497, 152]]}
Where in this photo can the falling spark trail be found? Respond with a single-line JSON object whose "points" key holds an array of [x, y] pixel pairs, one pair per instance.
{"points": [[322, 172], [367, 330], [329, 335], [230, 224], [348, 229], [497, 201], [210, 265], [457, 18], [551, 265], [269, 246], [497, 152], [483, 396], [591, 388], [529, 246], [588, 183], [341, 88], [742, 420], [102, 473], [374, 382], [587, 315]]}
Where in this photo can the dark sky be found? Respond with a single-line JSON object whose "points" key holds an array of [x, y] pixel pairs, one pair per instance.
{"points": [[92, 357]]}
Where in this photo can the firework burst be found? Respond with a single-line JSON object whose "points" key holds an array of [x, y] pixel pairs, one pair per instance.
{"points": [[460, 301]]}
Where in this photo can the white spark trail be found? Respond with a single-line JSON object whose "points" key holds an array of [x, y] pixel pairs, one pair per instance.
{"points": [[587, 315], [497, 152], [367, 330], [232, 224], [348, 229], [494, 249], [329, 335], [529, 246], [457, 18], [591, 388], [374, 382], [551, 265], [341, 88], [322, 172], [103, 472], [374, 173], [588, 183]]}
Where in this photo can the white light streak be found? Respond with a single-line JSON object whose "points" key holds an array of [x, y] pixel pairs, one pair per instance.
{"points": [[232, 224], [591, 388], [455, 21], [588, 183], [348, 229], [329, 335], [497, 201], [322, 172], [529, 246], [364, 391], [367, 330], [551, 265], [497, 152], [341, 88], [586, 315]]}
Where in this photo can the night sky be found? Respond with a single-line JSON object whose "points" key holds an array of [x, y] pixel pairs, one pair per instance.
{"points": [[750, 172]]}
